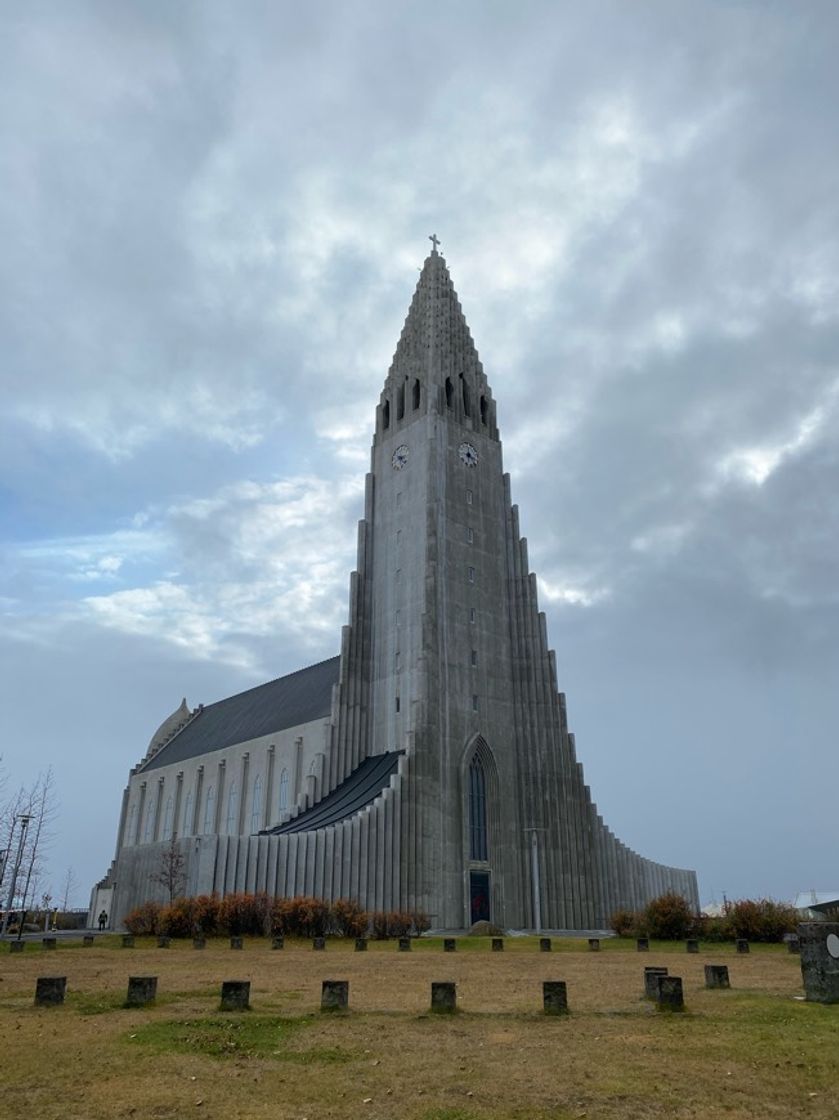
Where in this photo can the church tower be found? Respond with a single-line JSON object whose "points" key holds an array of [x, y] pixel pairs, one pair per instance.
{"points": [[430, 766]]}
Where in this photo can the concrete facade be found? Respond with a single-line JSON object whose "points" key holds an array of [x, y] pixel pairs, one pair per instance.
{"points": [[445, 667]]}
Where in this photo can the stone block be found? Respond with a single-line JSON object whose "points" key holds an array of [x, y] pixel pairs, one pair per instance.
{"points": [[651, 976], [236, 943], [163, 941], [669, 995], [443, 996], [128, 941], [793, 945], [692, 945], [544, 944], [716, 976], [278, 941], [449, 945], [49, 990], [554, 997], [642, 944], [741, 945], [498, 944], [361, 944], [594, 944], [17, 946], [404, 944], [819, 948], [49, 942], [335, 995], [235, 995], [319, 943], [87, 940], [141, 990]]}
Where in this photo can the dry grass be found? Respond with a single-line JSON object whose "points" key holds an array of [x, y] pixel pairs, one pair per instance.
{"points": [[754, 1051]]}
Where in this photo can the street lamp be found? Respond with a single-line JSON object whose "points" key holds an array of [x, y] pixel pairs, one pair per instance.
{"points": [[24, 819]]}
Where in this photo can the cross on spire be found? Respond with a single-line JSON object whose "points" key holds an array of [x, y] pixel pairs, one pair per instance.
{"points": [[435, 241]]}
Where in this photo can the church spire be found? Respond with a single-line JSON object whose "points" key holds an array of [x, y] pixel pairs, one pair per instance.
{"points": [[436, 361]]}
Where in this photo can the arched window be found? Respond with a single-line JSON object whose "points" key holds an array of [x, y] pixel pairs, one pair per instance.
{"points": [[464, 388], [231, 825], [283, 806], [186, 824], [210, 811], [400, 402], [167, 819], [386, 414], [256, 804], [477, 811], [416, 394], [483, 410], [449, 393]]}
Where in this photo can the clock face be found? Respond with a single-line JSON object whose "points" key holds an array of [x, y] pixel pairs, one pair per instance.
{"points": [[400, 457], [468, 454]]}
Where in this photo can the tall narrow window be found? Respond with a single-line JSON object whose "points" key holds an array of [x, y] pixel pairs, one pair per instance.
{"points": [[464, 388], [469, 497], [483, 410], [470, 535], [474, 658], [474, 701], [471, 614], [186, 823], [256, 804], [397, 704], [471, 574], [386, 415], [477, 811], [416, 394], [210, 811], [283, 805], [400, 402], [231, 823], [167, 819], [449, 393]]}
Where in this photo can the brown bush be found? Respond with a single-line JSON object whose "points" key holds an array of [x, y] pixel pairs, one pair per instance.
{"points": [[625, 923], [668, 918], [348, 919], [760, 919], [144, 919], [301, 916], [241, 914]]}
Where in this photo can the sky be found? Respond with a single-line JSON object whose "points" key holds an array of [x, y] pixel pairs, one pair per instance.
{"points": [[211, 219]]}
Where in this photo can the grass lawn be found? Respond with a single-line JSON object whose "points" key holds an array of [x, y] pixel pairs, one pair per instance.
{"points": [[753, 1051]]}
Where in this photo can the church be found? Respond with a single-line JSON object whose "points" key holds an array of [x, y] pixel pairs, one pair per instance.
{"points": [[428, 766]]}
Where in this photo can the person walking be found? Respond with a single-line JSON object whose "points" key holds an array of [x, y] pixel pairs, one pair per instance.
{"points": [[103, 920]]}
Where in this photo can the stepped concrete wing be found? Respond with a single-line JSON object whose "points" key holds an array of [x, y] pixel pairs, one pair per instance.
{"points": [[362, 786], [286, 702]]}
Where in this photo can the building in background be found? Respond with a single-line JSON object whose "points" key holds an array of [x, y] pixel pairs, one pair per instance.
{"points": [[429, 766]]}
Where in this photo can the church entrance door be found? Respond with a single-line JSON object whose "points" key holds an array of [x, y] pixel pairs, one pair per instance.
{"points": [[479, 895]]}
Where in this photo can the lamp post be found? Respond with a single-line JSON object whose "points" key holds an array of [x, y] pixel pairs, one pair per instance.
{"points": [[24, 819]]}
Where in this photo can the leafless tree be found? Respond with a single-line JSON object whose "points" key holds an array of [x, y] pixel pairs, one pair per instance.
{"points": [[67, 889], [171, 874]]}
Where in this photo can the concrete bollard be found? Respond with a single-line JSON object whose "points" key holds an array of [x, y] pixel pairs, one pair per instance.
{"points": [[49, 990], [692, 945], [128, 941], [443, 996], [278, 941], [199, 942], [87, 941], [498, 944], [554, 997], [742, 945], [594, 944], [716, 976], [361, 944], [49, 942], [449, 945], [669, 995], [651, 976], [236, 943], [642, 944], [793, 945], [544, 944], [335, 995], [141, 990], [319, 943], [404, 944], [819, 945], [164, 941], [235, 995], [17, 946]]}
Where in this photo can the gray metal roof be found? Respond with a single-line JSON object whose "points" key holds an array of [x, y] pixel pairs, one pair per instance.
{"points": [[286, 702], [361, 787]]}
